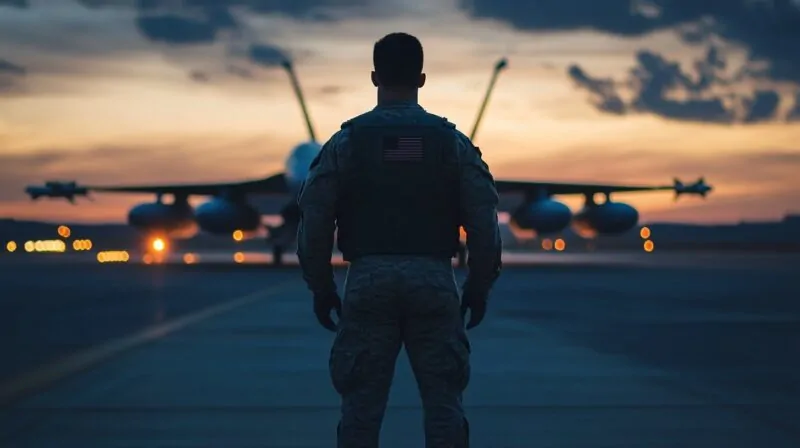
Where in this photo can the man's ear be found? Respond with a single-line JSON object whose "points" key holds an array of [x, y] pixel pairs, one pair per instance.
{"points": [[422, 79], [375, 81]]}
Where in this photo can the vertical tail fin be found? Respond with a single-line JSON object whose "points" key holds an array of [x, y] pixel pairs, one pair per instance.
{"points": [[287, 65], [499, 66]]}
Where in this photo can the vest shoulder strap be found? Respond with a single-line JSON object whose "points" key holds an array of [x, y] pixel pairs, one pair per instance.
{"points": [[448, 124], [351, 122]]}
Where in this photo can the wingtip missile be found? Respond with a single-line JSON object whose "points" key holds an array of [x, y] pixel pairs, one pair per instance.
{"points": [[699, 188], [57, 190]]}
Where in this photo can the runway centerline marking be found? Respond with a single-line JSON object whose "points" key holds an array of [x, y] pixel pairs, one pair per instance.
{"points": [[40, 378]]}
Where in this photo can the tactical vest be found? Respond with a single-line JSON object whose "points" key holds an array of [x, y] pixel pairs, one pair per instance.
{"points": [[400, 193]]}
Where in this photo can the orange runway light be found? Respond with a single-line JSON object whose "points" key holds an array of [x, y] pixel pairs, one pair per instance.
{"points": [[238, 235], [45, 246], [238, 257], [11, 246], [644, 233], [159, 245], [113, 256], [547, 244], [80, 245], [560, 245], [189, 258], [64, 231], [649, 246]]}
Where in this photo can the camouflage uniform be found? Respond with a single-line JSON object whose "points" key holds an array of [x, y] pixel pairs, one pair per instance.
{"points": [[391, 300]]}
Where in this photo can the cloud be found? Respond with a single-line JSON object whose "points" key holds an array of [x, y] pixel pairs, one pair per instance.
{"points": [[604, 90], [267, 56], [212, 37], [10, 75], [794, 114], [176, 30], [661, 87], [10, 68], [205, 22], [15, 3], [769, 31]]}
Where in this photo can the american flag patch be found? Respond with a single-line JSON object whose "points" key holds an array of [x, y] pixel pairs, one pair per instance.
{"points": [[403, 149]]}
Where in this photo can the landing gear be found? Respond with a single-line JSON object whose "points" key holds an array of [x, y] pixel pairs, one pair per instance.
{"points": [[277, 255], [462, 256]]}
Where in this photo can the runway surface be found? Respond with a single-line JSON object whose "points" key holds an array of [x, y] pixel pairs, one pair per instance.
{"points": [[596, 350]]}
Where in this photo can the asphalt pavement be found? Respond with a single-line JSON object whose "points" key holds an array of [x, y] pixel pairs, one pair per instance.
{"points": [[691, 350]]}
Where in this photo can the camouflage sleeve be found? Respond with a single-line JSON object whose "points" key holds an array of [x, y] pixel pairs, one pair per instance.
{"points": [[479, 201], [317, 203]]}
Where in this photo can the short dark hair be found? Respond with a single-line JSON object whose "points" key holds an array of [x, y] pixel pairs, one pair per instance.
{"points": [[398, 58]]}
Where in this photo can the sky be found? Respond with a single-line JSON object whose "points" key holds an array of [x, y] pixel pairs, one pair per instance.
{"points": [[617, 91]]}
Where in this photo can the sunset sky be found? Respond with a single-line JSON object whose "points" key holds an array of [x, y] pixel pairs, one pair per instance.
{"points": [[615, 91]]}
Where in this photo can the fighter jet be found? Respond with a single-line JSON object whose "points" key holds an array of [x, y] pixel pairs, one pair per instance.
{"points": [[240, 205]]}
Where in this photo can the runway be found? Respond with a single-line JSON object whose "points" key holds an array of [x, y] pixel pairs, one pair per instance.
{"points": [[593, 350]]}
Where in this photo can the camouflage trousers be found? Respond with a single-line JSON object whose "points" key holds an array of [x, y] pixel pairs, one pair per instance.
{"points": [[392, 301]]}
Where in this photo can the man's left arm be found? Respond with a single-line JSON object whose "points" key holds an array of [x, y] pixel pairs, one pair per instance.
{"points": [[317, 202]]}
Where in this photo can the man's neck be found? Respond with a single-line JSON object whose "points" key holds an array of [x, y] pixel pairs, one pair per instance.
{"points": [[388, 96]]}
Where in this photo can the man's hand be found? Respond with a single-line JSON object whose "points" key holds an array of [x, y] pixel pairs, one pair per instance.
{"points": [[473, 300], [323, 305]]}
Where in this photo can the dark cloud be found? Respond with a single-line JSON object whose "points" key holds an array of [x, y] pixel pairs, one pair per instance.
{"points": [[10, 75], [661, 87], [762, 107], [203, 22], [267, 55], [769, 30], [176, 30], [794, 114], [222, 42], [604, 90], [9, 68], [15, 3], [200, 21]]}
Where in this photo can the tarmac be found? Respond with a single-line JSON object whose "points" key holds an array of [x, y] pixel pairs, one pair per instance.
{"points": [[597, 350]]}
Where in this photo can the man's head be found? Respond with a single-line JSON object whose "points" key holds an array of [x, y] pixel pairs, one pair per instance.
{"points": [[397, 59]]}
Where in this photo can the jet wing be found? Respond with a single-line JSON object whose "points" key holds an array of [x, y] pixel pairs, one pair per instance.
{"points": [[559, 188], [275, 184]]}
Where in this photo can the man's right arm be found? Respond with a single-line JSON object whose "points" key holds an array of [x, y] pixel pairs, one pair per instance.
{"points": [[479, 201]]}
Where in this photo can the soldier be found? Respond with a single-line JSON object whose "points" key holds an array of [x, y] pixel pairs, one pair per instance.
{"points": [[399, 182]]}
